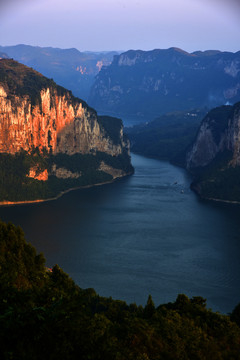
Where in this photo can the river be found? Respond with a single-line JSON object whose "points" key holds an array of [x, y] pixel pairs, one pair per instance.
{"points": [[144, 234]]}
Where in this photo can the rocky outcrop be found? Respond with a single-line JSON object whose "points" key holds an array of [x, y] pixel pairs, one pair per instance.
{"points": [[59, 172], [146, 84], [115, 173], [63, 173], [37, 174]]}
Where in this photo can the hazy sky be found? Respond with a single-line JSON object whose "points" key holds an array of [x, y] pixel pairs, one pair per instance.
{"points": [[122, 24]]}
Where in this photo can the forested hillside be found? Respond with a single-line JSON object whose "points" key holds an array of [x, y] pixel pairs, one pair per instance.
{"points": [[45, 315]]}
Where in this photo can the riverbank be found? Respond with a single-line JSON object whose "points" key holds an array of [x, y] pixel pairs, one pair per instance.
{"points": [[197, 189], [220, 200], [27, 202]]}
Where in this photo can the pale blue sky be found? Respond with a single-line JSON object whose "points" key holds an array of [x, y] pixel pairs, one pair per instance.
{"points": [[122, 24]]}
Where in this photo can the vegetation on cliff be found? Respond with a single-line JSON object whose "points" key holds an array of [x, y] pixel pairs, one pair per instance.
{"points": [[20, 80], [51, 141], [45, 315], [16, 185], [70, 68], [218, 180], [166, 137]]}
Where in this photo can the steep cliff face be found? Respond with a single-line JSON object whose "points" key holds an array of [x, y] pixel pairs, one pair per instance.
{"points": [[56, 124], [215, 135], [35, 113], [214, 157], [146, 84], [57, 121]]}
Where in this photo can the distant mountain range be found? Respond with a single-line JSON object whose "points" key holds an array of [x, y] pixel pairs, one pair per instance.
{"points": [[70, 68], [140, 85], [146, 84]]}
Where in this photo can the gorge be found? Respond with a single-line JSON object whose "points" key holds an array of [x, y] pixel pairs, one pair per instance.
{"points": [[60, 143]]}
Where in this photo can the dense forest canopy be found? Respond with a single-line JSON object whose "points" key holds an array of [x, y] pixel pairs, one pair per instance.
{"points": [[45, 315]]}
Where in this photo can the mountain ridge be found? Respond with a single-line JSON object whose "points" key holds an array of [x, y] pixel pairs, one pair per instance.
{"points": [[70, 68], [147, 84]]}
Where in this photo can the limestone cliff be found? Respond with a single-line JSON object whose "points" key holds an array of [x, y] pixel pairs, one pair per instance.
{"points": [[219, 132], [214, 157], [213, 138], [35, 113], [58, 122]]}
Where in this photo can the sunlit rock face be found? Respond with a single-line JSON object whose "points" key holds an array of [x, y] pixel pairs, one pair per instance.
{"points": [[56, 124], [38, 175], [46, 121]]}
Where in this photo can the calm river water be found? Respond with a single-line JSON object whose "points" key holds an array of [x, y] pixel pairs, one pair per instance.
{"points": [[145, 234]]}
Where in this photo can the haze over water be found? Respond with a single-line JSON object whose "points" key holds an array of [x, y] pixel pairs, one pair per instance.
{"points": [[145, 234]]}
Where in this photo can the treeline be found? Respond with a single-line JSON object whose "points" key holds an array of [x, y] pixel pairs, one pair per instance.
{"points": [[45, 315], [218, 180], [15, 185], [166, 137]]}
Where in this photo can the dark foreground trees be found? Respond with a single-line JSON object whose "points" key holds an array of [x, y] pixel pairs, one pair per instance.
{"points": [[44, 315]]}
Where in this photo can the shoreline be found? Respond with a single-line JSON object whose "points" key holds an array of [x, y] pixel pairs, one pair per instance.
{"points": [[233, 202], [220, 200], [27, 202]]}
